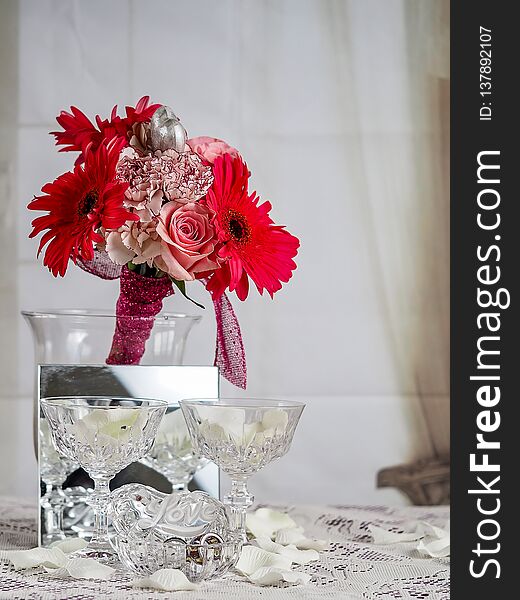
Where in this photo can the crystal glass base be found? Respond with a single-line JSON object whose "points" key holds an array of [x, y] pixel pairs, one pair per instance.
{"points": [[103, 553]]}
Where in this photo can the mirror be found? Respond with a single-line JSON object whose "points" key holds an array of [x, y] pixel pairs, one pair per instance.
{"points": [[171, 464]]}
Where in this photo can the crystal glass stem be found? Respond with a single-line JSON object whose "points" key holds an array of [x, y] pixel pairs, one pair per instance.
{"points": [[98, 500], [53, 504], [239, 500]]}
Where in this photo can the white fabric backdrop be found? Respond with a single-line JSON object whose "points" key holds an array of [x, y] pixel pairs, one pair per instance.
{"points": [[340, 108]]}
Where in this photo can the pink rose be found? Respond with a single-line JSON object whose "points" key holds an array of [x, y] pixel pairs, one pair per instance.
{"points": [[210, 148], [188, 240]]}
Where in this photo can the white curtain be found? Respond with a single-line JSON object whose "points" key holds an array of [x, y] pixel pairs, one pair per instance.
{"points": [[395, 78], [348, 103]]}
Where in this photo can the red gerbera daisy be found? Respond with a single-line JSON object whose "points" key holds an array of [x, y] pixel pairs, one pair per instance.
{"points": [[252, 245], [79, 132], [78, 204]]}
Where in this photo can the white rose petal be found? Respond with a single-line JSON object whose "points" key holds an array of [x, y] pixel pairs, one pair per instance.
{"points": [[435, 548], [231, 420], [253, 558], [289, 535], [429, 530], [95, 419], [431, 540], [83, 568], [294, 535], [108, 427], [166, 580], [275, 419], [228, 423], [212, 431], [37, 557], [300, 557], [435, 541], [275, 575], [266, 522], [382, 536], [310, 544]]}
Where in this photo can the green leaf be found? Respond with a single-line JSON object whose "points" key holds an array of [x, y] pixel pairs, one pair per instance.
{"points": [[144, 270], [181, 286]]}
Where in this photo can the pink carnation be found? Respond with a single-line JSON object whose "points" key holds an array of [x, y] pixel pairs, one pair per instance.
{"points": [[144, 193], [136, 242], [188, 240], [185, 177], [210, 148], [162, 176]]}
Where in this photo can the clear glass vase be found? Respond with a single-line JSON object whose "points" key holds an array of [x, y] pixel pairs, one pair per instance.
{"points": [[79, 337], [82, 337]]}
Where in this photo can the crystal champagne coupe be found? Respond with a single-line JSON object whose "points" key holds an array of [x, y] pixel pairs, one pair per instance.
{"points": [[172, 453], [103, 435], [241, 436]]}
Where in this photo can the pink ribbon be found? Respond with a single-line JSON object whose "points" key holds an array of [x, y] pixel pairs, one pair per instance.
{"points": [[230, 355], [140, 300], [101, 266]]}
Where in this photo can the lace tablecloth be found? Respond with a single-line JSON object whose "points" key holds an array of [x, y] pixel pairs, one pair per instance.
{"points": [[353, 567]]}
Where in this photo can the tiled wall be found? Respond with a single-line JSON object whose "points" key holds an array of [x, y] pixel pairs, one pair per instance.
{"points": [[272, 78]]}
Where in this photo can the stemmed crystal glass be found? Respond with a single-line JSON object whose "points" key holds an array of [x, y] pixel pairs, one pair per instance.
{"points": [[172, 453], [241, 436], [103, 435], [54, 468]]}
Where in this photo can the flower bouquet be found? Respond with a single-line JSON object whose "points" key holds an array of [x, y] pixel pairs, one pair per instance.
{"points": [[146, 204]]}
